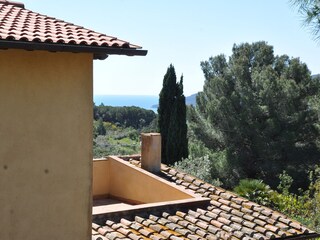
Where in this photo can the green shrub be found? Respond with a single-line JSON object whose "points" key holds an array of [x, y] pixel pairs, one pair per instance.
{"points": [[291, 204], [304, 207], [254, 190], [285, 183], [210, 166], [199, 167]]}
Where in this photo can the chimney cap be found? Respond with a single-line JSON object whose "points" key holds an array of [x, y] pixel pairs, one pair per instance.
{"points": [[150, 134]]}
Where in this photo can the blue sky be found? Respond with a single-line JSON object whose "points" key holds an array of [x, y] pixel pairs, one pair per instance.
{"points": [[181, 32]]}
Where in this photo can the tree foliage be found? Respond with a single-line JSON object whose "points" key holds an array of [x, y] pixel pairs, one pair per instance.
{"points": [[257, 107], [172, 119], [100, 130], [310, 10], [135, 117]]}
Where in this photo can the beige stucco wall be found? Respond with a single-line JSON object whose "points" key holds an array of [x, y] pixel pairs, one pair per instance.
{"points": [[135, 184], [45, 145], [101, 178]]}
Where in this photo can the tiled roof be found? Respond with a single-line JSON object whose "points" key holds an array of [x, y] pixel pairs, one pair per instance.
{"points": [[227, 217], [22, 25]]}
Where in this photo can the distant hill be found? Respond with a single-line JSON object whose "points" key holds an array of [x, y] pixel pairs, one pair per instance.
{"points": [[315, 76], [190, 100]]}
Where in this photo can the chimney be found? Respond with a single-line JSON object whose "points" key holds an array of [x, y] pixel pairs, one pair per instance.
{"points": [[151, 152]]}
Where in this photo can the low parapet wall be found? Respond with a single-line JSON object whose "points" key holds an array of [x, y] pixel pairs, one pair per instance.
{"points": [[143, 191], [115, 177]]}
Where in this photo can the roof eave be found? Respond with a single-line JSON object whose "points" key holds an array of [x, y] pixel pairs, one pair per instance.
{"points": [[99, 52], [302, 236]]}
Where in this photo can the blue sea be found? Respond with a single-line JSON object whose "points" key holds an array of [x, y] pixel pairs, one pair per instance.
{"points": [[142, 101]]}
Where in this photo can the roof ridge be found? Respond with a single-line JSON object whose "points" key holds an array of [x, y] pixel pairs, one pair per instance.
{"points": [[14, 3]]}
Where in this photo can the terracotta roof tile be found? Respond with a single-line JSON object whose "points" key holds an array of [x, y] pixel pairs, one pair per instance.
{"points": [[22, 25], [227, 217]]}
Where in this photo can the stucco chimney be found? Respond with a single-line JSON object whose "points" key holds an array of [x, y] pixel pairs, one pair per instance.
{"points": [[151, 152]]}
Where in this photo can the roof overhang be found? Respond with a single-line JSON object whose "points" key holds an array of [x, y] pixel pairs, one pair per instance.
{"points": [[303, 236], [99, 52]]}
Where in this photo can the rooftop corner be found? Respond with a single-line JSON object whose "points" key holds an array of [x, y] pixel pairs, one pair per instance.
{"points": [[21, 28]]}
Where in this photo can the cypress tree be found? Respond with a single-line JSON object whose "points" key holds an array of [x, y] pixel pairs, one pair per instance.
{"points": [[172, 119]]}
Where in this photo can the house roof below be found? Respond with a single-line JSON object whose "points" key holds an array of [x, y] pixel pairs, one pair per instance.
{"points": [[21, 28], [228, 216]]}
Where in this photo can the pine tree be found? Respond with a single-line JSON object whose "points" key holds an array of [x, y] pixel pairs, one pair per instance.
{"points": [[258, 108], [172, 119], [310, 12]]}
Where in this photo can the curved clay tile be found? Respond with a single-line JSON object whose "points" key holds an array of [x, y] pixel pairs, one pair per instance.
{"points": [[104, 44], [10, 38], [18, 23], [48, 40], [37, 39], [72, 42], [83, 43], [94, 43], [24, 39]]}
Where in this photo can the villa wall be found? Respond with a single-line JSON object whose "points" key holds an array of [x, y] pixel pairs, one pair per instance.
{"points": [[141, 186], [101, 178], [45, 145], [117, 178]]}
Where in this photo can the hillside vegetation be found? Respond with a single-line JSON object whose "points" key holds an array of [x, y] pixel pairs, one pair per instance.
{"points": [[255, 130], [117, 129]]}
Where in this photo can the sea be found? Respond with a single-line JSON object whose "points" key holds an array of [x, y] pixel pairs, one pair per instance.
{"points": [[143, 101]]}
